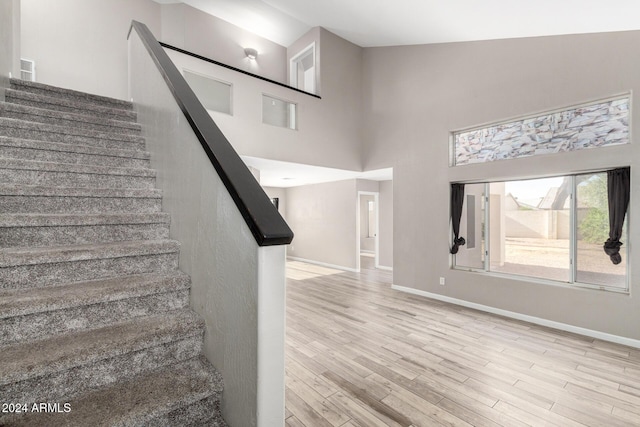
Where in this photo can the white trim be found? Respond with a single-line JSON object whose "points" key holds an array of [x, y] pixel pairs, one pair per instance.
{"points": [[524, 317], [271, 324], [324, 264], [384, 267], [293, 72]]}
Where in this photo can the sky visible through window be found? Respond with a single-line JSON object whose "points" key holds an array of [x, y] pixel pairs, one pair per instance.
{"points": [[532, 188]]}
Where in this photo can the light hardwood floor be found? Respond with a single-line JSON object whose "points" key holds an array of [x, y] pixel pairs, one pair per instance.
{"points": [[362, 354]]}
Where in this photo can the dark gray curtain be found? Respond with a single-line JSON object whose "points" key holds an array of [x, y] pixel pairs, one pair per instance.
{"points": [[457, 199], [618, 189]]}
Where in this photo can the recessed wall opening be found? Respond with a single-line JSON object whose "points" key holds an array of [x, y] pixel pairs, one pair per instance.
{"points": [[278, 112], [215, 95]]}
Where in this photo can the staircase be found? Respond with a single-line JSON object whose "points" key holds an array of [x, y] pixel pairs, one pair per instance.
{"points": [[93, 309]]}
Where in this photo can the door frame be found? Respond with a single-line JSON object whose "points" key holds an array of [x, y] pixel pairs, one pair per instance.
{"points": [[376, 200]]}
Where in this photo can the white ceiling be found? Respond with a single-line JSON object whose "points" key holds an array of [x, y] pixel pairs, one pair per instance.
{"points": [[403, 22], [274, 173]]}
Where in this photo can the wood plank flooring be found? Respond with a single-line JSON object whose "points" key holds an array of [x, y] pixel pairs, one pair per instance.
{"points": [[361, 354]]}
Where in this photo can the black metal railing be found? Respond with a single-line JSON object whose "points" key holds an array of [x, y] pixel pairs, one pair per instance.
{"points": [[221, 64], [264, 221]]}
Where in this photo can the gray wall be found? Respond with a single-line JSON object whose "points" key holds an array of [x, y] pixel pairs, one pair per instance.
{"points": [[323, 219], [385, 201], [414, 96], [329, 131], [191, 29], [82, 44], [281, 194], [9, 42]]}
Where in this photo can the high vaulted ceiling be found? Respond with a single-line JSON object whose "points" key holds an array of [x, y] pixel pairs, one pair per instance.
{"points": [[403, 22]]}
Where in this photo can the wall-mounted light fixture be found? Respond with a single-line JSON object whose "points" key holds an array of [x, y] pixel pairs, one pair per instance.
{"points": [[251, 53]]}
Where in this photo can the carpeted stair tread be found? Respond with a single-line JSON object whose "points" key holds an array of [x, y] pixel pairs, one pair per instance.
{"points": [[149, 399], [33, 359], [36, 165], [70, 135], [56, 220], [61, 118], [36, 230], [10, 257], [62, 104], [30, 172], [89, 98], [44, 190], [29, 149], [46, 199], [20, 302]]}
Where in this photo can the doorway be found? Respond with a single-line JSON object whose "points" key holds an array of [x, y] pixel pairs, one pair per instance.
{"points": [[367, 218], [303, 69]]}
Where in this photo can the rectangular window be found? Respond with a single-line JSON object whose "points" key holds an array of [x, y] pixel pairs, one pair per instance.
{"points": [[549, 228], [278, 112], [213, 94]]}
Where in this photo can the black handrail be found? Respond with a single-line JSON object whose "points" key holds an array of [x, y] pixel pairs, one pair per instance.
{"points": [[263, 219], [222, 64]]}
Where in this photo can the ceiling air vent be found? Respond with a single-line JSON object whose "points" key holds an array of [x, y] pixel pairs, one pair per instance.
{"points": [[28, 70]]}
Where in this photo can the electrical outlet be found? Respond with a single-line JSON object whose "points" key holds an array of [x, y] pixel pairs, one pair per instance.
{"points": [[442, 281]]}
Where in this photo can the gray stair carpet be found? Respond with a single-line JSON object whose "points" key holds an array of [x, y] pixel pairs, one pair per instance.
{"points": [[95, 324]]}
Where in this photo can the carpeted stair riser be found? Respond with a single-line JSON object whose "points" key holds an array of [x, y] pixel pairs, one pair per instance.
{"points": [[147, 400], [58, 273], [202, 413], [40, 89], [43, 200], [72, 120], [68, 106], [28, 172], [37, 267], [53, 133], [38, 230], [38, 313], [44, 324], [86, 371], [25, 149]]}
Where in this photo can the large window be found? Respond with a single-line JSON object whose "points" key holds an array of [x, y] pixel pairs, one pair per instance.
{"points": [[551, 229]]}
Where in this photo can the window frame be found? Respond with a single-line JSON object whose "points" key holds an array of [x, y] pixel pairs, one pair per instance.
{"points": [[573, 243]]}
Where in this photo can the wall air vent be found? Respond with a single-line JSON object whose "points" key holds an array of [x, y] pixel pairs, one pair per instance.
{"points": [[27, 70]]}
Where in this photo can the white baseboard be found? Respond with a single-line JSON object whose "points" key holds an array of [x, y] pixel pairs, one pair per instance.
{"points": [[531, 319], [324, 264], [384, 267]]}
